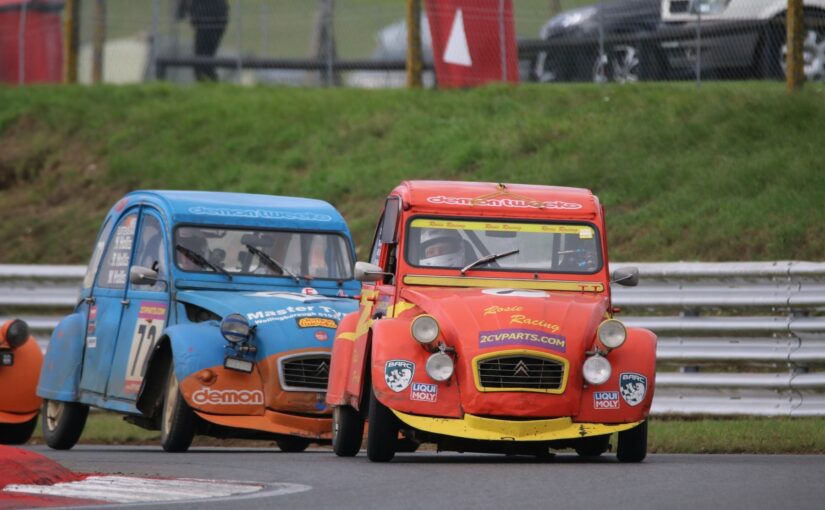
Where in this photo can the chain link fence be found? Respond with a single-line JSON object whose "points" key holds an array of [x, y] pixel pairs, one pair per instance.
{"points": [[363, 42]]}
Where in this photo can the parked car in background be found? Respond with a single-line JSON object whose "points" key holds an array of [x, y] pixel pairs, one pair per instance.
{"points": [[577, 58], [486, 324], [20, 362], [744, 38], [205, 313]]}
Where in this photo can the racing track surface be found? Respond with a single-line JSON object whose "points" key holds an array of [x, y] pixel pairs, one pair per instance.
{"points": [[451, 480]]}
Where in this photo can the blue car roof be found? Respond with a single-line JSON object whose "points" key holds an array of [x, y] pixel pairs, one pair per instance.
{"points": [[240, 209]]}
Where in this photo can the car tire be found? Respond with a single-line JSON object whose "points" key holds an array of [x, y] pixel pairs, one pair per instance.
{"points": [[292, 444], [592, 446], [620, 64], [177, 420], [63, 423], [347, 431], [382, 433], [633, 444], [17, 433]]}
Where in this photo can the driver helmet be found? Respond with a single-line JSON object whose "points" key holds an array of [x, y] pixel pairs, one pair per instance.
{"points": [[194, 240], [441, 248]]}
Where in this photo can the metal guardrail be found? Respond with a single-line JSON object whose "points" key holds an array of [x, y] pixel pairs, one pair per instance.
{"points": [[734, 338]]}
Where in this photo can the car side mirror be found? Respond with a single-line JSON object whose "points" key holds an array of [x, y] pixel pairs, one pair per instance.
{"points": [[366, 272], [627, 276], [139, 275]]}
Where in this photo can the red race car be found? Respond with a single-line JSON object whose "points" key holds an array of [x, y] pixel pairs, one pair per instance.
{"points": [[20, 361], [487, 326]]}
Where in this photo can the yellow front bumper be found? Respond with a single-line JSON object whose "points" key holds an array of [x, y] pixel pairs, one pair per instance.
{"points": [[488, 429]]}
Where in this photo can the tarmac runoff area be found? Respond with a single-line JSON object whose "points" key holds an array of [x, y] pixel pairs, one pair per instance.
{"points": [[30, 480]]}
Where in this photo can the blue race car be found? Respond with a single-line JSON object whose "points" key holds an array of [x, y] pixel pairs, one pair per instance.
{"points": [[205, 313]]}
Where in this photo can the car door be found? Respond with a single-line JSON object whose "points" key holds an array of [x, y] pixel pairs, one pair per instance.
{"points": [[144, 310], [106, 305]]}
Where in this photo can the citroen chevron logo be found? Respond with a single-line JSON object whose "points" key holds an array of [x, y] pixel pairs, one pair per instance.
{"points": [[323, 369], [521, 369]]}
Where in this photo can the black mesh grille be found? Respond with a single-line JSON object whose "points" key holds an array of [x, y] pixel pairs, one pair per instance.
{"points": [[309, 372], [521, 372]]}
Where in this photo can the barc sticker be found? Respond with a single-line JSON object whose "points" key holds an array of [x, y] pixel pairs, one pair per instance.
{"points": [[424, 392], [633, 387], [398, 374]]}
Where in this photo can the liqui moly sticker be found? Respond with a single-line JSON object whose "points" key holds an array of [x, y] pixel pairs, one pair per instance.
{"points": [[606, 400], [424, 392]]}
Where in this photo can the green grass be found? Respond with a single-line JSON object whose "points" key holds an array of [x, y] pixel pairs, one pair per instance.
{"points": [[728, 172], [740, 435]]}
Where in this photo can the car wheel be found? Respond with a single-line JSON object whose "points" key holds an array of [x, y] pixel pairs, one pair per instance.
{"points": [[813, 51], [347, 431], [63, 422], [592, 446], [17, 433], [633, 444], [178, 421], [619, 64], [382, 434], [292, 444]]}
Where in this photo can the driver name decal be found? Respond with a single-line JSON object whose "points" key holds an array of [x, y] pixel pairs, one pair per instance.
{"points": [[522, 337]]}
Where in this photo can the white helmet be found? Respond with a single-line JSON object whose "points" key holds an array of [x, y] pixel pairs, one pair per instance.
{"points": [[441, 248]]}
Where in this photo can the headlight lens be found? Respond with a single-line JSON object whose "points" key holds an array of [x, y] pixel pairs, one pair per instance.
{"points": [[17, 333], [612, 333], [235, 328], [440, 366], [596, 369], [424, 329]]}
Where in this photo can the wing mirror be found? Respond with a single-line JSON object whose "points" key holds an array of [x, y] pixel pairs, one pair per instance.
{"points": [[139, 275], [366, 272], [627, 276]]}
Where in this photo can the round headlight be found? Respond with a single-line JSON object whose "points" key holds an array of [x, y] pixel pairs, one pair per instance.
{"points": [[17, 333], [424, 329], [440, 366], [235, 328], [596, 369], [612, 333]]}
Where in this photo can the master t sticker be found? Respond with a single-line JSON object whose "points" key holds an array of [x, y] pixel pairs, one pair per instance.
{"points": [[633, 387], [398, 374]]}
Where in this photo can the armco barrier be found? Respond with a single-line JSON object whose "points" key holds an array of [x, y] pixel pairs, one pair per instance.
{"points": [[734, 338]]}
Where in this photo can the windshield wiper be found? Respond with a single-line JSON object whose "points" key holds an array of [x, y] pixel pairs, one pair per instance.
{"points": [[198, 259], [487, 258], [272, 263]]}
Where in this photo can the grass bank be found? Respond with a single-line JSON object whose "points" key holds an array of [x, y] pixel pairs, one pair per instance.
{"points": [[706, 435], [729, 172]]}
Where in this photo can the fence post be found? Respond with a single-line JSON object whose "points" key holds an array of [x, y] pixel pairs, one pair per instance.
{"points": [[795, 30], [99, 41], [414, 64], [154, 73], [71, 40], [21, 45]]}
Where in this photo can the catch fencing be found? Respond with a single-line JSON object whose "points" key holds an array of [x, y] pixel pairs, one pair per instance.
{"points": [[734, 338], [363, 43]]}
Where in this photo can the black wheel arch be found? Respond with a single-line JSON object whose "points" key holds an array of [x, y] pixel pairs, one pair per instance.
{"points": [[150, 397]]}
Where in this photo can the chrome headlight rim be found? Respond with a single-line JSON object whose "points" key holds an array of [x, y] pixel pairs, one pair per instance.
{"points": [[440, 366], [235, 328], [425, 329], [596, 370], [612, 333]]}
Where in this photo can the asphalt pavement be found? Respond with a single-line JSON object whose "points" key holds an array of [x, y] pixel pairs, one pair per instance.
{"points": [[431, 480]]}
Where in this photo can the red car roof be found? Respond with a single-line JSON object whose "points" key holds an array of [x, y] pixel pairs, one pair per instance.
{"points": [[498, 199]]}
